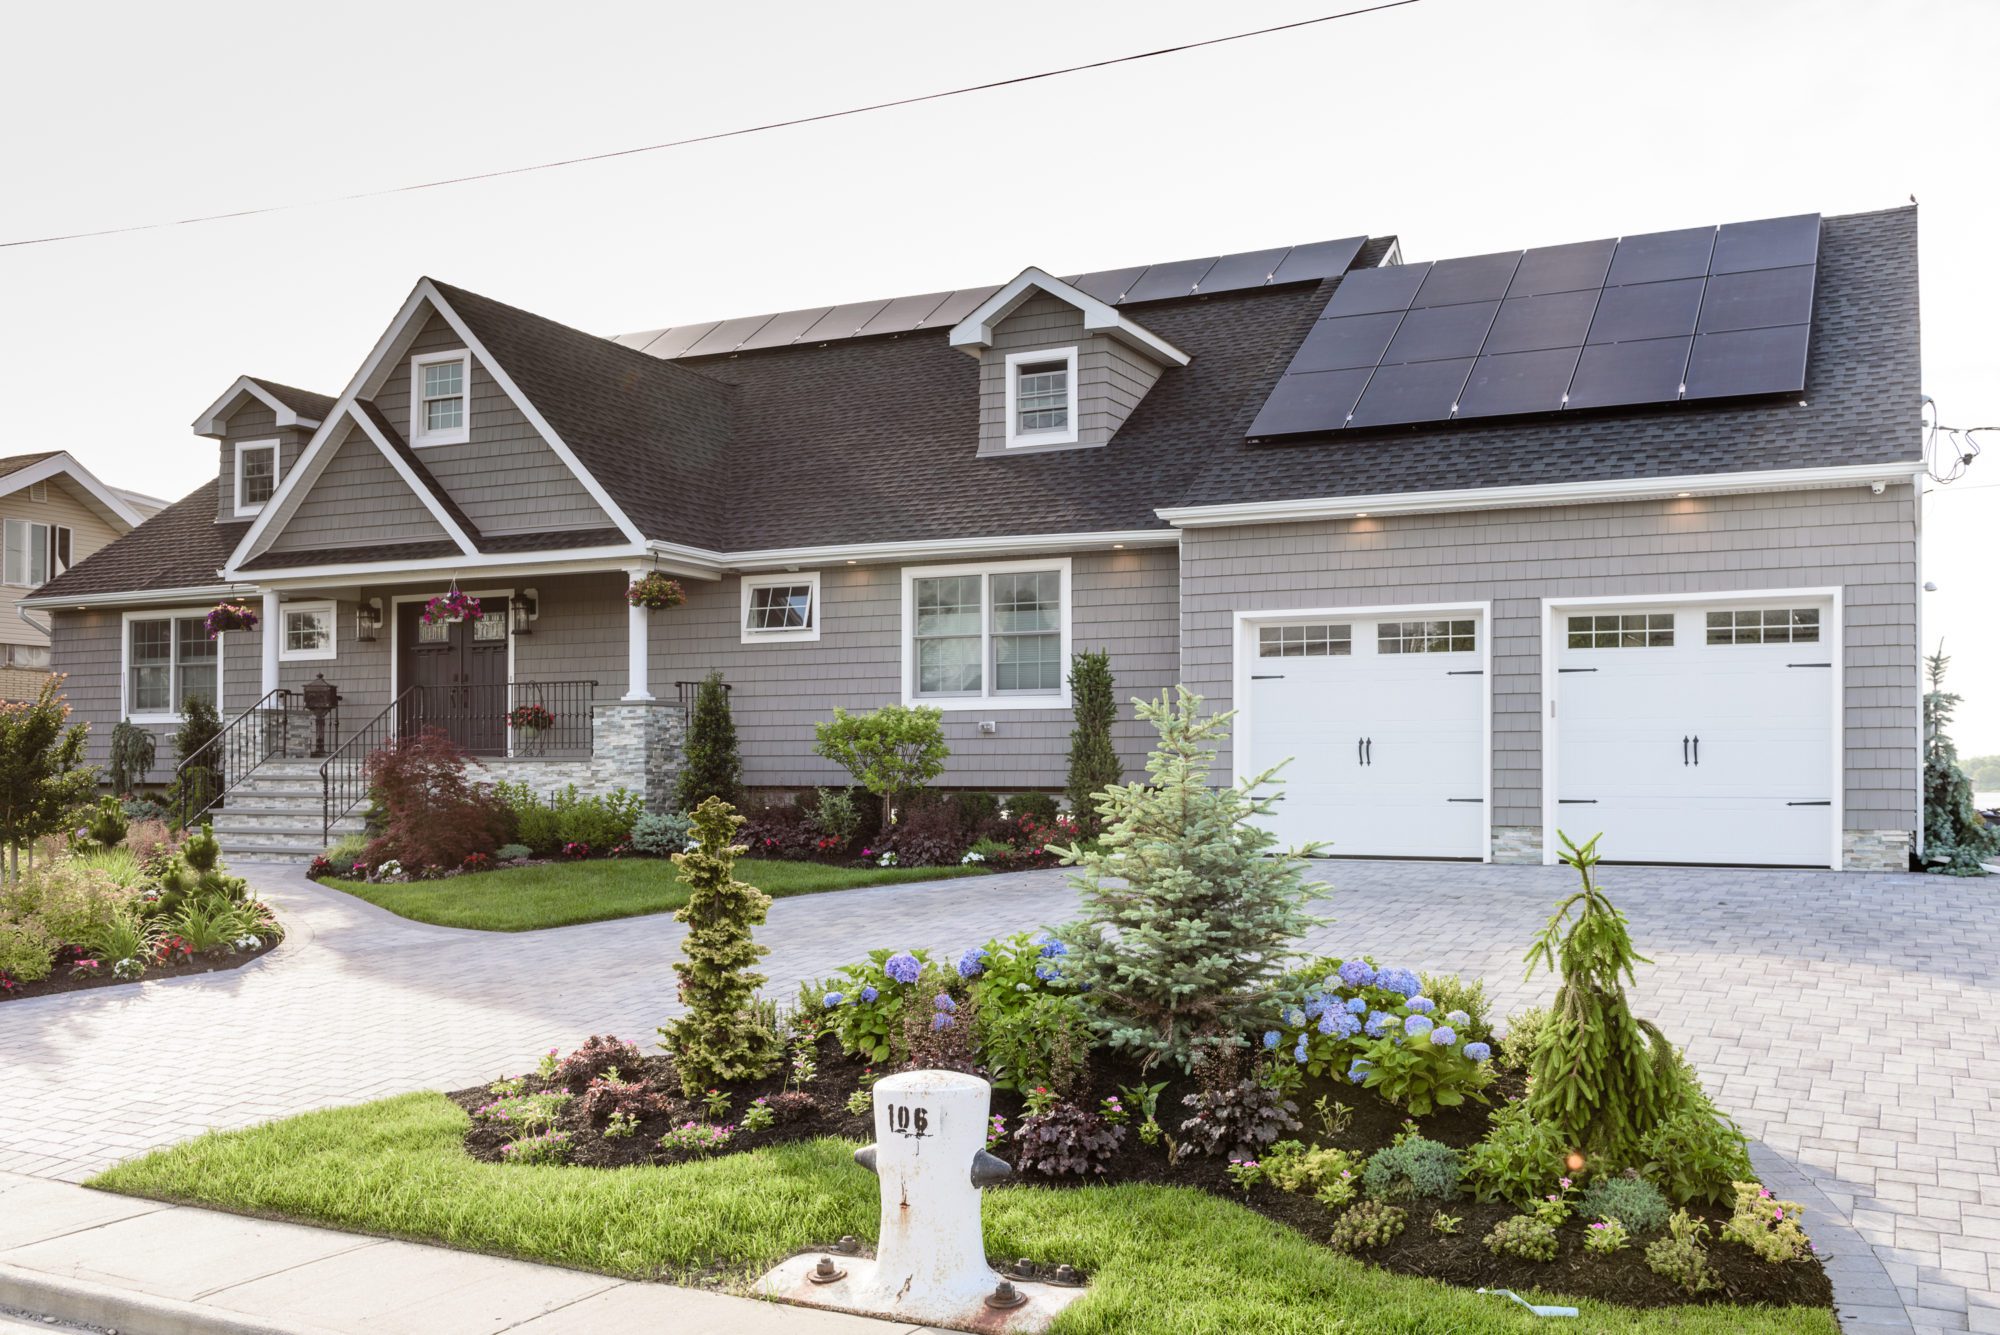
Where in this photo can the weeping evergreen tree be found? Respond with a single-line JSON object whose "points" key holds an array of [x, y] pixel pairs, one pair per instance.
{"points": [[710, 763], [720, 1038], [1188, 920], [1093, 762], [1601, 1076], [1956, 839]]}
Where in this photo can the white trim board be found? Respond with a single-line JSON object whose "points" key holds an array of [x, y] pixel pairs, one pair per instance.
{"points": [[975, 331], [210, 422], [277, 449], [876, 553], [1834, 639], [1244, 623], [418, 435], [1019, 440], [1552, 494], [956, 704]]}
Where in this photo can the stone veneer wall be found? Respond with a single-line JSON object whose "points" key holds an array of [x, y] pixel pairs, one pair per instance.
{"points": [[634, 745], [1875, 850], [1517, 843]]}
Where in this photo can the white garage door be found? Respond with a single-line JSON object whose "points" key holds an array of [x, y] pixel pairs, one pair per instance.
{"points": [[1383, 720], [1697, 734]]}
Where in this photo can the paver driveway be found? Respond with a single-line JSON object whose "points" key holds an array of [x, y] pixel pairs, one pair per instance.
{"points": [[1851, 1022]]}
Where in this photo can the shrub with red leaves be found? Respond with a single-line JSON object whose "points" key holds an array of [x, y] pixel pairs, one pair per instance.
{"points": [[605, 1096], [778, 830], [599, 1053], [435, 815], [791, 1105], [576, 850], [928, 833], [477, 862]]}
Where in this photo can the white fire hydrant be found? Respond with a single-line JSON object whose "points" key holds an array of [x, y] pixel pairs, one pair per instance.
{"points": [[930, 1262]]}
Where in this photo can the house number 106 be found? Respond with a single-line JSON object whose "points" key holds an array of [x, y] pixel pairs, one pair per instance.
{"points": [[907, 1121]]}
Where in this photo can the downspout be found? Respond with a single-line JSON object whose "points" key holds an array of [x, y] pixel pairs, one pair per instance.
{"points": [[48, 630]]}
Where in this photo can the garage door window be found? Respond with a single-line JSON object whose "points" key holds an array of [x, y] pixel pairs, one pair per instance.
{"points": [[1624, 630], [1425, 637], [1765, 625], [1323, 640]]}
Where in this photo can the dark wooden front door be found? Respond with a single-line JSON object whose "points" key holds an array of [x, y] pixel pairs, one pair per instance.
{"points": [[461, 668]]}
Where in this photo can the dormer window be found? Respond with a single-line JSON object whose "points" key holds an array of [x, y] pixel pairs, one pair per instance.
{"points": [[256, 475], [1041, 397], [441, 398]]}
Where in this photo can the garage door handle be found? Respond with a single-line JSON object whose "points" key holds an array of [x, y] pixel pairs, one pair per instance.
{"points": [[1697, 748], [1684, 749], [1809, 804], [1267, 676], [1576, 801], [1825, 665], [1371, 750], [1465, 799]]}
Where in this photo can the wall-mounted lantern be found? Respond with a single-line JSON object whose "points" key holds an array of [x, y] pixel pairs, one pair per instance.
{"points": [[368, 621], [523, 608]]}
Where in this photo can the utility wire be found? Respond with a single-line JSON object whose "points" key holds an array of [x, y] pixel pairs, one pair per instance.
{"points": [[719, 134]]}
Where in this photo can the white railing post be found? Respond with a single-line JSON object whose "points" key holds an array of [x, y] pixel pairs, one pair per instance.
{"points": [[637, 627]]}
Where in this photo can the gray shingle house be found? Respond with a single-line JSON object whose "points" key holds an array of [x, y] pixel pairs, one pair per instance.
{"points": [[1616, 535]]}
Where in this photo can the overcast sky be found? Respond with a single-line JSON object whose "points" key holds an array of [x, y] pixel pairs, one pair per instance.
{"points": [[1463, 126]]}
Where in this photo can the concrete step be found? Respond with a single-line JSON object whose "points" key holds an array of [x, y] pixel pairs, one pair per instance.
{"points": [[247, 798], [281, 785], [233, 819], [295, 837]]}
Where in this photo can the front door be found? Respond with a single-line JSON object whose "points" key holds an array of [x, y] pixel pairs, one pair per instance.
{"points": [[461, 670]]}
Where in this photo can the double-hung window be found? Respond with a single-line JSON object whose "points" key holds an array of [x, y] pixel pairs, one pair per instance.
{"points": [[441, 398], [781, 607], [35, 553], [256, 475], [167, 659], [987, 636], [1041, 398]]}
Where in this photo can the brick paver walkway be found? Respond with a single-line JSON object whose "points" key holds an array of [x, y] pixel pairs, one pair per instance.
{"points": [[1851, 1022]]}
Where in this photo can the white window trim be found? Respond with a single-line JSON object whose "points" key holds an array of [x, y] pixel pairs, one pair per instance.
{"points": [[1018, 439], [277, 459], [50, 528], [987, 699], [287, 654], [125, 662], [463, 432], [779, 581]]}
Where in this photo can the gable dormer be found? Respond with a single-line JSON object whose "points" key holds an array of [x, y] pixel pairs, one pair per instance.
{"points": [[263, 428], [1058, 369]]}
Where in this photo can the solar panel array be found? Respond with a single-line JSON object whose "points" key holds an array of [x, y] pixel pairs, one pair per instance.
{"points": [[1703, 313], [941, 310]]}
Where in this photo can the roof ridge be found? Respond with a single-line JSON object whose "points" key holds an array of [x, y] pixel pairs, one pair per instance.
{"points": [[452, 292]]}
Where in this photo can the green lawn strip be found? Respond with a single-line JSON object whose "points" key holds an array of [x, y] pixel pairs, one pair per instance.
{"points": [[1160, 1258], [557, 894]]}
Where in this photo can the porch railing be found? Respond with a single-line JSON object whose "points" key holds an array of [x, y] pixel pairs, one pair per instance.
{"points": [[258, 734], [475, 716]]}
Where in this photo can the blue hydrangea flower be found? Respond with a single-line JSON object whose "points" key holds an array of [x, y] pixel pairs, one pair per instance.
{"points": [[941, 1021], [834, 999], [1357, 1005], [1271, 1037], [1478, 1052], [942, 1001], [1459, 1018], [869, 993], [1380, 1023], [1399, 981], [1357, 973], [1416, 1025], [1048, 973], [1317, 1005], [1299, 1052], [903, 967], [1444, 1036], [1051, 949], [1358, 1069], [1421, 1005], [972, 963], [1341, 1023], [1295, 1018]]}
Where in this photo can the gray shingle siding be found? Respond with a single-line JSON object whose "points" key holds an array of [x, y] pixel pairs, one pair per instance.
{"points": [[358, 498], [506, 477], [1845, 537], [1110, 377], [252, 420]]}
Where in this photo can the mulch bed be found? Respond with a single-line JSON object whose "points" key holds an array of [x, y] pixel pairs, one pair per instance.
{"points": [[61, 981], [1460, 1259]]}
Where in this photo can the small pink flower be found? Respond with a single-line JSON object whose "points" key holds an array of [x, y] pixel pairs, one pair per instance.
{"points": [[1563, 1183]]}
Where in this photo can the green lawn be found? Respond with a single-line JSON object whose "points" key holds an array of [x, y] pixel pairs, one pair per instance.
{"points": [[556, 894], [1160, 1258]]}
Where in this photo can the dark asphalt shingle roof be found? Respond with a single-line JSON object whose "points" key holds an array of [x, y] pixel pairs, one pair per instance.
{"points": [[14, 463], [180, 547], [304, 402]]}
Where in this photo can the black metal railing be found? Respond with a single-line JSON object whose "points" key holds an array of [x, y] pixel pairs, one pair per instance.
{"points": [[490, 720], [262, 731]]}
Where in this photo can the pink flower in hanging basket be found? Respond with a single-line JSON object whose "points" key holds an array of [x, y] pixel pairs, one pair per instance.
{"points": [[451, 606], [228, 616], [655, 591]]}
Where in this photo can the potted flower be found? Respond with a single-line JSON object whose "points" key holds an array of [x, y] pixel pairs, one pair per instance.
{"points": [[228, 616], [451, 605], [655, 591], [530, 721]]}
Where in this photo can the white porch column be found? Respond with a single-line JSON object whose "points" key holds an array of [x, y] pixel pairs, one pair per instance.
{"points": [[272, 631], [638, 623]]}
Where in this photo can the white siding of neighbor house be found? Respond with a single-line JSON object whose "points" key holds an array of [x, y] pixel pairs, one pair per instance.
{"points": [[1865, 544]]}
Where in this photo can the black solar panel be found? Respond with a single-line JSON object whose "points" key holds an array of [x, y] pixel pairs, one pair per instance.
{"points": [[904, 314], [725, 336], [1646, 310], [1758, 299], [1517, 382], [1748, 361], [784, 328], [1318, 259], [1366, 291], [957, 306], [1441, 332], [1252, 268], [1553, 320], [1479, 278], [842, 321], [1571, 268], [678, 340], [1658, 256], [1773, 243], [1107, 284], [1177, 279], [1347, 341], [1414, 392], [1641, 372], [1311, 402]]}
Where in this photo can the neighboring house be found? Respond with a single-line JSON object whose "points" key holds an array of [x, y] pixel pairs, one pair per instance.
{"points": [[1615, 536], [53, 513]]}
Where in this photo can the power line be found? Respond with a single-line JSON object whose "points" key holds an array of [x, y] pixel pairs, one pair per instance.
{"points": [[719, 134]]}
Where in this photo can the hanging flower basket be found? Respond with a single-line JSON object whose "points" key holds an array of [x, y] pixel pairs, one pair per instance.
{"points": [[451, 606], [228, 616], [530, 718], [655, 591]]}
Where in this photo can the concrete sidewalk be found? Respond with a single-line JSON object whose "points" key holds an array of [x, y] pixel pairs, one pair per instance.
{"points": [[150, 1269]]}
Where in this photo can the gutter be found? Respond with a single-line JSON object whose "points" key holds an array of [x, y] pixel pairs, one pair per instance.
{"points": [[131, 597], [1032, 544]]}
